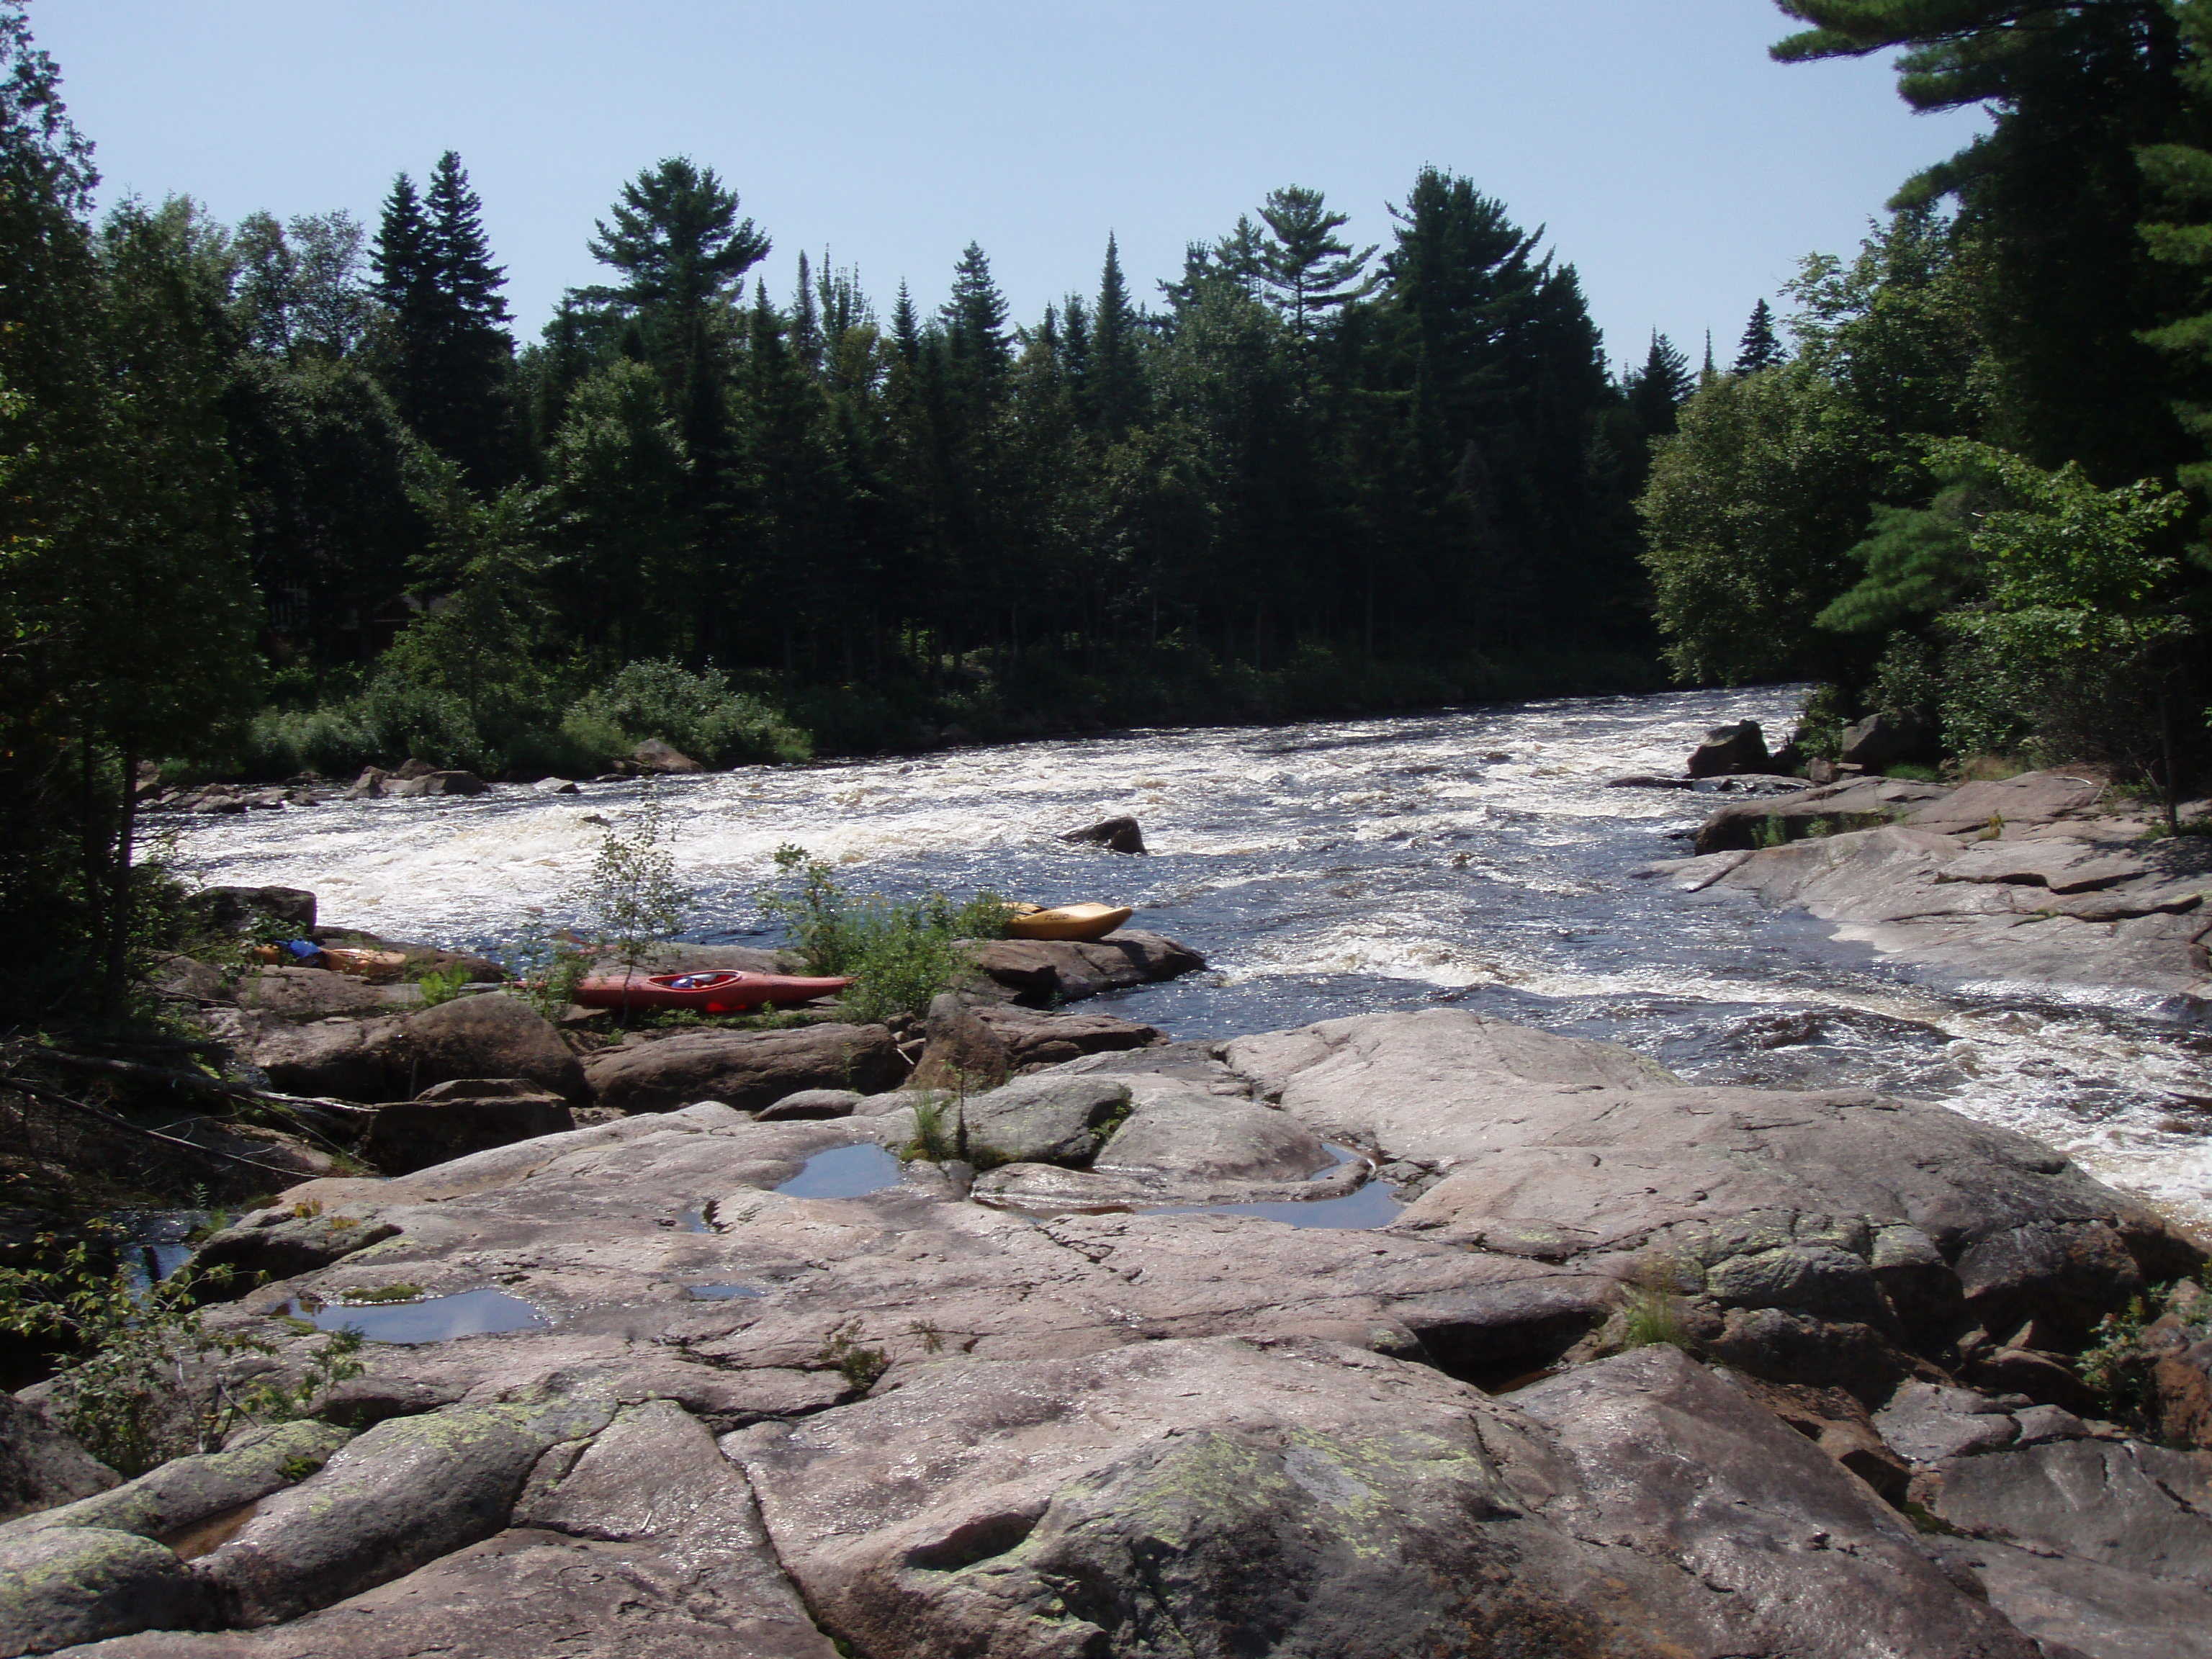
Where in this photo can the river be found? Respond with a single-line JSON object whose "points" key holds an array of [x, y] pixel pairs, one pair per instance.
{"points": [[1469, 858]]}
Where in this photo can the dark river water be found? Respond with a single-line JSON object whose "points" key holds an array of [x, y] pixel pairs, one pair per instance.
{"points": [[1468, 858]]}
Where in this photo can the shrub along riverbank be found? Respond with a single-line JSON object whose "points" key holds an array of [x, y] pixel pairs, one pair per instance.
{"points": [[572, 723]]}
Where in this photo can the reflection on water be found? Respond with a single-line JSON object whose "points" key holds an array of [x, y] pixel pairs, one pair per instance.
{"points": [[433, 1319], [719, 1292], [845, 1172], [1471, 857]]}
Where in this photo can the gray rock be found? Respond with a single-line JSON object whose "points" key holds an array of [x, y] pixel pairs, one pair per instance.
{"points": [[1046, 1119], [1308, 1498], [986, 1043], [1928, 1424], [1885, 740], [1209, 1139], [1726, 749], [485, 1036], [73, 1584], [2143, 1509], [1042, 973], [655, 755], [746, 1070], [436, 783], [1115, 835], [282, 1241], [402, 1494], [452, 1120], [1850, 804], [177, 1496], [41, 1464], [2032, 797], [396, 1059], [813, 1103]]}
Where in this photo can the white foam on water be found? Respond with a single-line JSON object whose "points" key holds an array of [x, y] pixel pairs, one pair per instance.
{"points": [[1390, 849]]}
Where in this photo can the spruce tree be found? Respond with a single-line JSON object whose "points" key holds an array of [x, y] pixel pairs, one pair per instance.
{"points": [[974, 321], [1762, 347], [1117, 381], [1655, 391], [449, 355]]}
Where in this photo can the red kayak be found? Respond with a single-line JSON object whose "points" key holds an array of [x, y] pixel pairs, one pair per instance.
{"points": [[709, 991]]}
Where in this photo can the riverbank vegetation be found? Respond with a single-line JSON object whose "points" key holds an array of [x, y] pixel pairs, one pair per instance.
{"points": [[1972, 497]]}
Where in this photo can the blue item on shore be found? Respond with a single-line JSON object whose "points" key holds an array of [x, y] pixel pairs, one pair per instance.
{"points": [[306, 949]]}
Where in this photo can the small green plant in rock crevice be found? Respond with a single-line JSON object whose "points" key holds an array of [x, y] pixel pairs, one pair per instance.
{"points": [[1651, 1307], [1769, 831], [845, 1353], [151, 1381], [900, 953], [443, 984]]}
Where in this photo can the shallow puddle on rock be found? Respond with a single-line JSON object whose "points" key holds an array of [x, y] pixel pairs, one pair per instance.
{"points": [[694, 1221], [719, 1292], [1338, 1157], [433, 1319], [846, 1172], [1373, 1204], [211, 1533]]}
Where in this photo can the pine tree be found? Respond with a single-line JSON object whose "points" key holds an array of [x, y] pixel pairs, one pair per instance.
{"points": [[675, 237], [1762, 347], [1306, 268], [906, 328]]}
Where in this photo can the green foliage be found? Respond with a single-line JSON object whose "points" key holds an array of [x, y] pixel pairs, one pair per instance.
{"points": [[150, 1380], [700, 713], [546, 964], [938, 1129], [901, 953], [632, 898], [443, 984], [1750, 508], [845, 1352]]}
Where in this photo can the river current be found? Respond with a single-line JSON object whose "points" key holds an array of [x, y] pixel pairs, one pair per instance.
{"points": [[1470, 858]]}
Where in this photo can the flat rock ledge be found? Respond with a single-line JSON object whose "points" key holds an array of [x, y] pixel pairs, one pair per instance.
{"points": [[734, 1418], [2036, 880]]}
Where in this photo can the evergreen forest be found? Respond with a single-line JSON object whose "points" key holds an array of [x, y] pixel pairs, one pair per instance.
{"points": [[304, 496]]}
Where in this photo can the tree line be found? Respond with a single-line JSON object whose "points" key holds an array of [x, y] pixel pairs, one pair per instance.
{"points": [[1971, 498], [286, 494]]}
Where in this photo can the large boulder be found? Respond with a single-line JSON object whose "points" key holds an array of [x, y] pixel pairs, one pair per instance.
{"points": [[654, 756], [1888, 740], [1728, 749], [1832, 1237], [402, 1494], [475, 1037], [988, 1043], [1120, 834], [745, 1069], [1045, 973], [1218, 1497], [452, 1120], [69, 1585], [176, 1498], [40, 1465], [1045, 1120]]}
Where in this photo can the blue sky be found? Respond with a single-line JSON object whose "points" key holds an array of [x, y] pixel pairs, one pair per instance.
{"points": [[1681, 171]]}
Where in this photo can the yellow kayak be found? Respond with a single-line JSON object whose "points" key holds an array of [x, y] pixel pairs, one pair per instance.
{"points": [[1076, 922]]}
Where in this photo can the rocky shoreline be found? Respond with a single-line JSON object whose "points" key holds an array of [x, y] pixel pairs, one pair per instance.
{"points": [[1405, 1334], [2043, 880]]}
